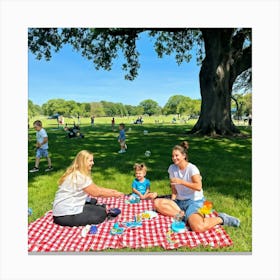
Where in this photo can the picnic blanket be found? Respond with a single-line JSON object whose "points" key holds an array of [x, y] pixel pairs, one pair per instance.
{"points": [[45, 236]]}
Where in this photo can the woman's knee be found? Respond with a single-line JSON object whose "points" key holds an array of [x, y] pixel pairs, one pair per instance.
{"points": [[157, 203], [100, 214]]}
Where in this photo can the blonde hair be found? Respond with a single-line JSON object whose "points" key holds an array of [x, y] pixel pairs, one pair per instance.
{"points": [[140, 167], [79, 164]]}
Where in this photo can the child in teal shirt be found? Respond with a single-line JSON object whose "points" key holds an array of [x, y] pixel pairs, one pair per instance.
{"points": [[141, 185]]}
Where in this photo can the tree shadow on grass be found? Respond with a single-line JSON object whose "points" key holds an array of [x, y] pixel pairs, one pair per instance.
{"points": [[225, 163]]}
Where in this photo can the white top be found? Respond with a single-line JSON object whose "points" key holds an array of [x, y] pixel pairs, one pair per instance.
{"points": [[70, 197], [40, 135], [184, 192]]}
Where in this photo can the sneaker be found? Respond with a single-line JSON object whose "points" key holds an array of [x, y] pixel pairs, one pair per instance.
{"points": [[121, 151], [34, 169], [49, 169], [229, 220]]}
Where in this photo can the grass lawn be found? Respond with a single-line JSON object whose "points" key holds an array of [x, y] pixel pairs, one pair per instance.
{"points": [[225, 165]]}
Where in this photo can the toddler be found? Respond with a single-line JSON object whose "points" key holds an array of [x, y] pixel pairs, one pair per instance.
{"points": [[141, 185], [41, 147], [121, 139]]}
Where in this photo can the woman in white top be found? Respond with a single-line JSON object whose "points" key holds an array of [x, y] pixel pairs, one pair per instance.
{"points": [[70, 206], [187, 194]]}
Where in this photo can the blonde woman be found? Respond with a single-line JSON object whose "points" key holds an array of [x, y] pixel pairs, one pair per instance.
{"points": [[70, 207]]}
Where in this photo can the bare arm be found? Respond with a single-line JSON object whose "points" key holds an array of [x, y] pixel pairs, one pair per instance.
{"points": [[38, 145], [97, 191], [173, 192], [195, 185], [146, 194]]}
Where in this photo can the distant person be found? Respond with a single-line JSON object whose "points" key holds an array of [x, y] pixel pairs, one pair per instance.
{"points": [[139, 120], [41, 147], [113, 124], [250, 119], [122, 138], [187, 195], [92, 121], [61, 120], [141, 185], [71, 206]]}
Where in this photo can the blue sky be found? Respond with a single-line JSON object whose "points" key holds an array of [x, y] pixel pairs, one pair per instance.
{"points": [[71, 77]]}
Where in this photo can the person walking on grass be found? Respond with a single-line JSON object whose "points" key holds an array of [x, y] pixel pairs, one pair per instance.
{"points": [[141, 185], [121, 138], [113, 124], [71, 206], [41, 147], [187, 195], [92, 121]]}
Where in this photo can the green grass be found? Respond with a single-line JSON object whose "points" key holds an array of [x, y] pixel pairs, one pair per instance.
{"points": [[224, 163]]}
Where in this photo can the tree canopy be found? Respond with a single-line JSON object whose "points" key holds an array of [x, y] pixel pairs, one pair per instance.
{"points": [[33, 109]]}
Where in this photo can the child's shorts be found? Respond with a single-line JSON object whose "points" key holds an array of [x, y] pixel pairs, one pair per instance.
{"points": [[190, 206], [42, 153]]}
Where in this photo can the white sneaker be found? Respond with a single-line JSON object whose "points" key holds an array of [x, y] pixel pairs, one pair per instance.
{"points": [[49, 169], [35, 169], [121, 151]]}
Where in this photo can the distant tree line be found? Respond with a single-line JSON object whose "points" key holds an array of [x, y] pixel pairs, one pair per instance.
{"points": [[176, 104]]}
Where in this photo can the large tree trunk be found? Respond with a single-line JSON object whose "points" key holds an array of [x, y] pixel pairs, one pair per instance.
{"points": [[216, 80]]}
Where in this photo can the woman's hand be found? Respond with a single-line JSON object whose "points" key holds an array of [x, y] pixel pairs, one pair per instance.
{"points": [[117, 193], [196, 183], [97, 191], [174, 181]]}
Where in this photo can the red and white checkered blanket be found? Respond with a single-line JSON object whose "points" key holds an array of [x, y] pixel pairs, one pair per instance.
{"points": [[45, 236]]}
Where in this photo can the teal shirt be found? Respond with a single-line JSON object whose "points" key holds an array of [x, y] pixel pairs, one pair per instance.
{"points": [[141, 186]]}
